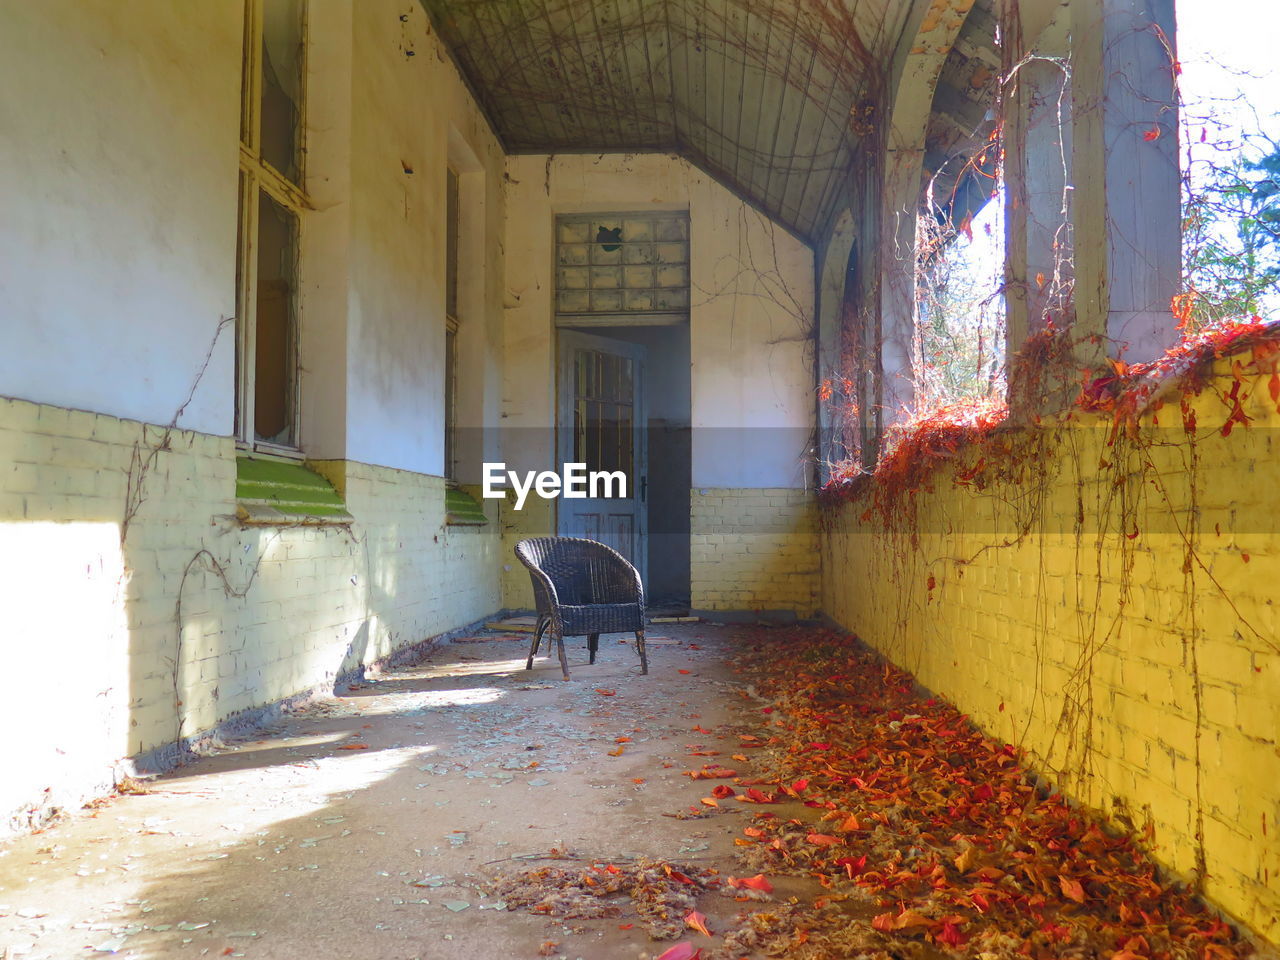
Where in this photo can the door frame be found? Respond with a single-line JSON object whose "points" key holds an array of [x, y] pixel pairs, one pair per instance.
{"points": [[567, 338]]}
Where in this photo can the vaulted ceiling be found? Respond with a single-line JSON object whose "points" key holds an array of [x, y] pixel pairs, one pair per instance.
{"points": [[768, 96]]}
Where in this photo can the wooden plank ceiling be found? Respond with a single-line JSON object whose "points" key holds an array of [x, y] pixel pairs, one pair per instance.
{"points": [[765, 95]]}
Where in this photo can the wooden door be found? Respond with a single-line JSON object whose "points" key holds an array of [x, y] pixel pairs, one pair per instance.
{"points": [[601, 423]]}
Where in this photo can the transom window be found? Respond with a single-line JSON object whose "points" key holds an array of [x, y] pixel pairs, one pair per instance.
{"points": [[627, 263], [271, 205]]}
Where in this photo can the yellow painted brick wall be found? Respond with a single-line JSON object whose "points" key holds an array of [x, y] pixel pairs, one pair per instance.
{"points": [[537, 519], [115, 626], [754, 549], [1068, 616]]}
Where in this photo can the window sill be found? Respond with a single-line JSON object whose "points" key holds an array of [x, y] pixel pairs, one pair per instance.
{"points": [[461, 509], [273, 492]]}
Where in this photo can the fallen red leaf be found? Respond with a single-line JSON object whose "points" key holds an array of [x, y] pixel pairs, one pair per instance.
{"points": [[605, 693], [681, 951], [353, 746], [722, 791], [950, 935], [684, 671], [853, 865]]}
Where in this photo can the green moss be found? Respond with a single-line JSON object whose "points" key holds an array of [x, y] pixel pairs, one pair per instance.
{"points": [[288, 488], [463, 509]]}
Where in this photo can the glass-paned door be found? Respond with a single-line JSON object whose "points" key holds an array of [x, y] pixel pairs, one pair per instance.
{"points": [[600, 424]]}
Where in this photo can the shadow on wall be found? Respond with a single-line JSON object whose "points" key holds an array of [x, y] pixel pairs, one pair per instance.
{"points": [[352, 668]]}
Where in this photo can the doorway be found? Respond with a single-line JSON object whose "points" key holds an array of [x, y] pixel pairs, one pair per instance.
{"points": [[663, 438], [623, 387]]}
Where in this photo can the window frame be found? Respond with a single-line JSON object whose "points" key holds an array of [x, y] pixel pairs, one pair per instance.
{"points": [[256, 175], [452, 322]]}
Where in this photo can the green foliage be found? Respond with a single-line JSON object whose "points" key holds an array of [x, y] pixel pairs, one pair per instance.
{"points": [[1231, 239]]}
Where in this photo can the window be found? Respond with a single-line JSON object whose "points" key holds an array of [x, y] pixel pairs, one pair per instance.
{"points": [[632, 264], [452, 228], [271, 205]]}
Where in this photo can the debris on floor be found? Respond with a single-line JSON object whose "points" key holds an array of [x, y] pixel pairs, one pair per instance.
{"points": [[763, 792]]}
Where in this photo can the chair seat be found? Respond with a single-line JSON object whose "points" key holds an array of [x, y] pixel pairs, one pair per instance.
{"points": [[601, 618]]}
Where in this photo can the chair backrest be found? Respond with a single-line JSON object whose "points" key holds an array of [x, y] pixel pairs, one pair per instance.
{"points": [[583, 571]]}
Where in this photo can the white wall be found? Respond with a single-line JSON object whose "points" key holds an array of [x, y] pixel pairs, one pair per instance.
{"points": [[750, 322], [118, 191], [403, 109]]}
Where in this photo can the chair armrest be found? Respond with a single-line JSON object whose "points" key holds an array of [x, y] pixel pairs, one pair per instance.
{"points": [[547, 584]]}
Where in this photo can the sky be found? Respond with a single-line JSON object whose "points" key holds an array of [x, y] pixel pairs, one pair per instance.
{"points": [[1228, 49]]}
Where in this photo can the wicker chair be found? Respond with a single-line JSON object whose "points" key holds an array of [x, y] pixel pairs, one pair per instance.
{"points": [[582, 588]]}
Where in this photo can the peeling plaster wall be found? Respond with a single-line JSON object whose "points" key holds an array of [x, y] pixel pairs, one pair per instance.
{"points": [[750, 335], [117, 259]]}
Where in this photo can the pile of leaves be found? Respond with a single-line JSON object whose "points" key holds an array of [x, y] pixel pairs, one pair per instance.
{"points": [[930, 837], [914, 448], [661, 894], [1132, 389]]}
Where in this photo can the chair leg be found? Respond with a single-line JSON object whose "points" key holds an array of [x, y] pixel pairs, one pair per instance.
{"points": [[543, 623], [564, 663], [593, 645], [644, 660]]}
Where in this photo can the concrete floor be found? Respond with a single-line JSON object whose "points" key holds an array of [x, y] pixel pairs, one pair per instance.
{"points": [[295, 845]]}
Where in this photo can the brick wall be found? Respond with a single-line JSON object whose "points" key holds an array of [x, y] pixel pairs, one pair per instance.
{"points": [[106, 635], [754, 549], [1061, 609]]}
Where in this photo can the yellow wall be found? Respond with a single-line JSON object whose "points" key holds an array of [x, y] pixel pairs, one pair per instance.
{"points": [[1111, 609], [754, 550]]}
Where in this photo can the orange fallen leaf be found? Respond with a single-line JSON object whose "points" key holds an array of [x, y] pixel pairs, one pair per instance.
{"points": [[621, 739], [605, 693], [708, 802], [684, 671], [625, 926], [617, 753], [1072, 889], [758, 882], [353, 746], [822, 839], [911, 918], [698, 921], [637, 780], [548, 948]]}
